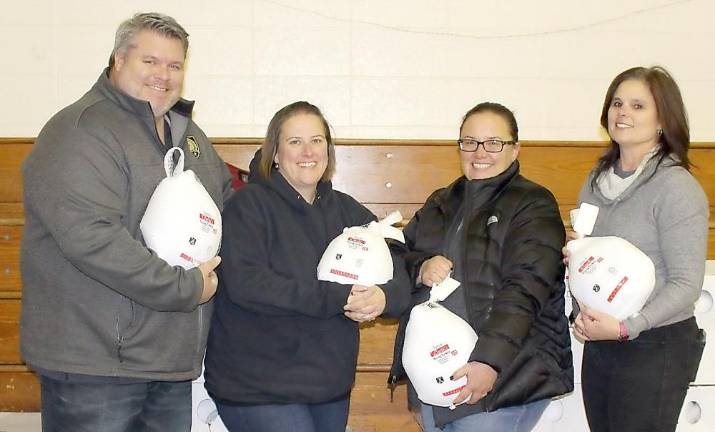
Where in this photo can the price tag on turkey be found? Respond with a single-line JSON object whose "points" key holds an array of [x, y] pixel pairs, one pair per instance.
{"points": [[443, 289], [584, 219]]}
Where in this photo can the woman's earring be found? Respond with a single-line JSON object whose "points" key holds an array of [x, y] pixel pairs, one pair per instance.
{"points": [[659, 131]]}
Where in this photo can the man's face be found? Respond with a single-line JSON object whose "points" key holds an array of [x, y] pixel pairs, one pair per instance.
{"points": [[151, 69]]}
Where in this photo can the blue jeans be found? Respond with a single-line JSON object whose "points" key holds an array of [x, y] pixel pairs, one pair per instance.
{"points": [[92, 407], [520, 418], [324, 417]]}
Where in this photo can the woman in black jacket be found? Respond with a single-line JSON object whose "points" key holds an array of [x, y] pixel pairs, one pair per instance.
{"points": [[283, 345], [500, 235]]}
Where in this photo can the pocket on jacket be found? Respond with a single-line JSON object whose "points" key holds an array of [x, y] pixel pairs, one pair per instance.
{"points": [[167, 342], [125, 323]]}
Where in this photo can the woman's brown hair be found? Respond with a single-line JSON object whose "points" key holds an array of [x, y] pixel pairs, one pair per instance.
{"points": [[675, 138]]}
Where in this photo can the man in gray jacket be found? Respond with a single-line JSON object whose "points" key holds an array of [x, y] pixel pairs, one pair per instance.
{"points": [[115, 333]]}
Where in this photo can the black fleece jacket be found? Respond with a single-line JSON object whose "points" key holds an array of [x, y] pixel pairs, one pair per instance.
{"points": [[278, 334], [509, 256]]}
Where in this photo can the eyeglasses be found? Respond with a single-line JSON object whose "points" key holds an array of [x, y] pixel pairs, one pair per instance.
{"points": [[490, 145]]}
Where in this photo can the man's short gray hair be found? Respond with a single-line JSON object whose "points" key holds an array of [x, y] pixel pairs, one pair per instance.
{"points": [[156, 22]]}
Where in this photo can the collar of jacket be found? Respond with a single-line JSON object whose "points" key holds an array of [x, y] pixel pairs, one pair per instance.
{"points": [[139, 107], [279, 184], [482, 189]]}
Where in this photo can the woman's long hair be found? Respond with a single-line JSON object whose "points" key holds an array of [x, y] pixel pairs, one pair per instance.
{"points": [[675, 139]]}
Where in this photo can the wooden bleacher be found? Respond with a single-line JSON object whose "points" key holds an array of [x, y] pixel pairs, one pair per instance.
{"points": [[382, 174]]}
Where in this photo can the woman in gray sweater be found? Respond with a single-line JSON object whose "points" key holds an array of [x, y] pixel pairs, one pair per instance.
{"points": [[636, 372]]}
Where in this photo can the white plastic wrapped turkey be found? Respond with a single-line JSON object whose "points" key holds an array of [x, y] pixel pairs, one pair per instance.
{"points": [[181, 223], [608, 274], [437, 343], [360, 254]]}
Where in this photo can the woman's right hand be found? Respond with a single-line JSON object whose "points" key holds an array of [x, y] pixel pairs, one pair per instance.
{"points": [[592, 325], [434, 270], [365, 303]]}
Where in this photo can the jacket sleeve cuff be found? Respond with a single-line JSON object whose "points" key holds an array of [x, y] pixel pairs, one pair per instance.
{"points": [[198, 279], [636, 325], [394, 306], [337, 298], [413, 262], [496, 353]]}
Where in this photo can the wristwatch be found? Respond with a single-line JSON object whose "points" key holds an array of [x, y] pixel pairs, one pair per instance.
{"points": [[622, 332]]}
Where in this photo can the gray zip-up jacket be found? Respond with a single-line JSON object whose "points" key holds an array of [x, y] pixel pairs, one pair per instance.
{"points": [[665, 214], [95, 300]]}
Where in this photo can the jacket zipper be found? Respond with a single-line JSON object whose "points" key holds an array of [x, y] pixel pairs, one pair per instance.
{"points": [[392, 384]]}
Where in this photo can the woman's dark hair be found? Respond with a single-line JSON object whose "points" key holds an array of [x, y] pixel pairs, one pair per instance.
{"points": [[497, 109], [269, 148], [675, 138]]}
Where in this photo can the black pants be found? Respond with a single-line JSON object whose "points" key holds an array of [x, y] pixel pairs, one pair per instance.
{"points": [[640, 385]]}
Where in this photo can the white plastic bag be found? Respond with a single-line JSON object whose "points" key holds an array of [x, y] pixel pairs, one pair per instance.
{"points": [[181, 223], [360, 254], [437, 343], [610, 275]]}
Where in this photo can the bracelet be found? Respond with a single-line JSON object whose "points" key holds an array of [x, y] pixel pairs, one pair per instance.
{"points": [[622, 332]]}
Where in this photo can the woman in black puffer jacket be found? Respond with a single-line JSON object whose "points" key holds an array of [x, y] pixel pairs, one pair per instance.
{"points": [[500, 235]]}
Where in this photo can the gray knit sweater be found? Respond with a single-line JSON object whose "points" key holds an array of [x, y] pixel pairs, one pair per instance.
{"points": [[666, 216]]}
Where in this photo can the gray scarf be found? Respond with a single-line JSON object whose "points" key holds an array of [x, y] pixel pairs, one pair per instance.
{"points": [[611, 185]]}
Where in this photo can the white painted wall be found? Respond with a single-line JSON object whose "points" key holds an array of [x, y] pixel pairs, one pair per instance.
{"points": [[378, 68]]}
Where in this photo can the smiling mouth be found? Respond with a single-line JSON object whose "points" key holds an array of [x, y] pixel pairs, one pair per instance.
{"points": [[307, 164], [158, 88], [480, 165], [623, 126]]}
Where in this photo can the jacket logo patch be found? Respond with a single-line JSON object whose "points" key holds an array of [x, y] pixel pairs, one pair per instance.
{"points": [[193, 146], [492, 219]]}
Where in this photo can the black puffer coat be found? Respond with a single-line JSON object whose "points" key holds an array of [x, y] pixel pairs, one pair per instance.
{"points": [[509, 253]]}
